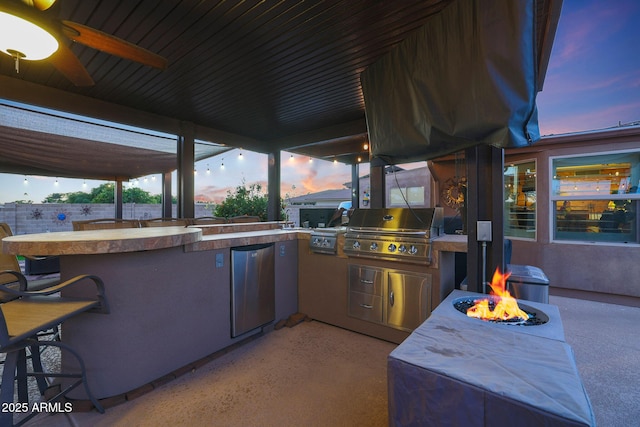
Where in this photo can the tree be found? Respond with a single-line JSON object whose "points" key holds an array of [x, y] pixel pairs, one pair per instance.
{"points": [[78, 197], [138, 195], [104, 193], [55, 198], [245, 201]]}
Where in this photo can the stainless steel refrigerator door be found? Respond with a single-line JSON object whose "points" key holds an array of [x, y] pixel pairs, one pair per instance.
{"points": [[408, 299], [252, 287]]}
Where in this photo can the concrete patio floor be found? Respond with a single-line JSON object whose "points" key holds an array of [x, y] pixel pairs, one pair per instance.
{"points": [[317, 375]]}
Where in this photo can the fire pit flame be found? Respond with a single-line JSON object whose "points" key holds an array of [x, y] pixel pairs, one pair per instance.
{"points": [[506, 306]]}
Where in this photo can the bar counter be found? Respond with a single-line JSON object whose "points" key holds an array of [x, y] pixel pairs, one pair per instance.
{"points": [[100, 241], [169, 293]]}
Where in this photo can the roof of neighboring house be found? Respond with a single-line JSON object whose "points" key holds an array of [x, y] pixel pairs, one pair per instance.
{"points": [[326, 197]]}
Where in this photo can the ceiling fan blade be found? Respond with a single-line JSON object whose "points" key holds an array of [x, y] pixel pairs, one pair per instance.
{"points": [[111, 44], [65, 61]]}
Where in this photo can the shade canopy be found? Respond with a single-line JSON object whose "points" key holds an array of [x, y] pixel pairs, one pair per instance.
{"points": [[442, 91], [262, 76]]}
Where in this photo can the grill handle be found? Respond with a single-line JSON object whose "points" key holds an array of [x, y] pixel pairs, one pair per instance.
{"points": [[367, 306], [366, 282], [391, 298]]}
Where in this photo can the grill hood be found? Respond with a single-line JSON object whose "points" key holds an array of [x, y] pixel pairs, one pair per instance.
{"points": [[398, 220]]}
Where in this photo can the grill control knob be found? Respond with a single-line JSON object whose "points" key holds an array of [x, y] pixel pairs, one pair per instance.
{"points": [[392, 247], [374, 246], [325, 243], [402, 249], [413, 250], [356, 245], [316, 241]]}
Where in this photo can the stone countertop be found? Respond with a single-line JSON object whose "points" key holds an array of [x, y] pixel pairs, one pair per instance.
{"points": [[244, 238], [100, 241], [451, 243]]}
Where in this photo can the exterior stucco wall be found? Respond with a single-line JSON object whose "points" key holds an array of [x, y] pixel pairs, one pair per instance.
{"points": [[607, 268]]}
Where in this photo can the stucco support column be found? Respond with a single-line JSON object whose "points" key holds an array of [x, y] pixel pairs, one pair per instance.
{"points": [[167, 204], [273, 186], [118, 198], [485, 187], [186, 180], [355, 186], [378, 186]]}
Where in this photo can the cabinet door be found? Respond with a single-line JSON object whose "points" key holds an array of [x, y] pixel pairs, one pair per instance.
{"points": [[408, 299]]}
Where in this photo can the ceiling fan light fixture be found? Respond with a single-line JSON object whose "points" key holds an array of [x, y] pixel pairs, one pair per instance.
{"points": [[22, 39]]}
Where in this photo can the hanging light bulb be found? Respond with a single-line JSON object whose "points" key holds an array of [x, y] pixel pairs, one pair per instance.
{"points": [[240, 155], [222, 165], [310, 160], [208, 170], [26, 181], [291, 158], [365, 146]]}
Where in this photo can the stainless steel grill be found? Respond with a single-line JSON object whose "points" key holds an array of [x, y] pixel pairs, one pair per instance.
{"points": [[395, 234], [325, 240]]}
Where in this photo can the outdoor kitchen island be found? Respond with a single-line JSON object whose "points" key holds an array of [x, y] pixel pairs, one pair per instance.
{"points": [[168, 289]]}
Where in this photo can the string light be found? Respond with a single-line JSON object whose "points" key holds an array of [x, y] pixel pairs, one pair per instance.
{"points": [[222, 165], [26, 181], [208, 170], [291, 158], [310, 160]]}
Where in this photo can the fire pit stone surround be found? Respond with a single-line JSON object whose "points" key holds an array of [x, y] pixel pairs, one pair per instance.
{"points": [[456, 370]]}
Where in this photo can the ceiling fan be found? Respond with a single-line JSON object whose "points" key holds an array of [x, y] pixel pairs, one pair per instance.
{"points": [[31, 30]]}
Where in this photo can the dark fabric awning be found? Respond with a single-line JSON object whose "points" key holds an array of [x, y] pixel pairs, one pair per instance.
{"points": [[440, 91], [35, 153], [42, 143]]}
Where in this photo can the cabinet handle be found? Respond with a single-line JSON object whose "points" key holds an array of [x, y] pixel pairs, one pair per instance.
{"points": [[391, 299], [367, 306], [366, 282]]}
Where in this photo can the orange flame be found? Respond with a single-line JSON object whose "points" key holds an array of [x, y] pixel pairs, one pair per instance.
{"points": [[506, 307]]}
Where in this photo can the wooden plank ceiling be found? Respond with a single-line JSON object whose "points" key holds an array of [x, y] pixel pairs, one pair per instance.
{"points": [[281, 72]]}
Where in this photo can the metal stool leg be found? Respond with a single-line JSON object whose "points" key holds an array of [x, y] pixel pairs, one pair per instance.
{"points": [[7, 387]]}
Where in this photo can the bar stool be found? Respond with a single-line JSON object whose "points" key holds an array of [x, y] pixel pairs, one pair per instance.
{"points": [[21, 320]]}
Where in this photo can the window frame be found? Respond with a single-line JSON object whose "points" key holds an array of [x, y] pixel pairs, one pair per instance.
{"points": [[535, 212], [554, 198]]}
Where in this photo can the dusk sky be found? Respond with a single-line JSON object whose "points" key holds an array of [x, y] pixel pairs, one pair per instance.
{"points": [[593, 82]]}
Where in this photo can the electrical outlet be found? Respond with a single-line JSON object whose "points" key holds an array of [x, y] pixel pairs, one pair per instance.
{"points": [[484, 231]]}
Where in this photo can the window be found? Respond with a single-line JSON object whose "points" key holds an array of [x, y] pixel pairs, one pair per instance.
{"points": [[520, 200], [595, 197]]}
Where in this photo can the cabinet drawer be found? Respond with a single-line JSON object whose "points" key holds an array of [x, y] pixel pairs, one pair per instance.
{"points": [[368, 280], [365, 306]]}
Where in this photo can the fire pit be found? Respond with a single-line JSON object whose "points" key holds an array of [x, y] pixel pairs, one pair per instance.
{"points": [[459, 370], [534, 317]]}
